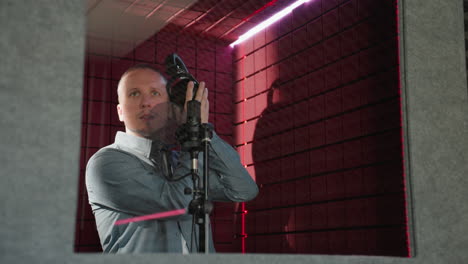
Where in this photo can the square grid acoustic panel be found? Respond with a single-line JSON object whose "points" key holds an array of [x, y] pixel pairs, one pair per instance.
{"points": [[207, 60], [318, 123]]}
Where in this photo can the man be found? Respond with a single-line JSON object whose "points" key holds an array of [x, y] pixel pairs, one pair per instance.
{"points": [[132, 176]]}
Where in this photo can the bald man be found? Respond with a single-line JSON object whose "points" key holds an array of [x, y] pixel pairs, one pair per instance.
{"points": [[134, 175]]}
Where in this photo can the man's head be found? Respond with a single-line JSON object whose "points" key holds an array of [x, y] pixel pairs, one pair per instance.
{"points": [[144, 104]]}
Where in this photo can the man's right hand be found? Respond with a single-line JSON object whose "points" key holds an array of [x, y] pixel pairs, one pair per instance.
{"points": [[202, 97]]}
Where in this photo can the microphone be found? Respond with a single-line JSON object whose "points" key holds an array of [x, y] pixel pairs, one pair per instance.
{"points": [[179, 78]]}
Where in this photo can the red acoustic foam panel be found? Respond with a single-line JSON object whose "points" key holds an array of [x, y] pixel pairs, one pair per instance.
{"points": [[287, 143], [99, 66], [249, 109], [332, 49], [119, 66], [327, 5], [113, 90], [146, 52], [98, 112], [272, 32], [248, 46], [287, 168], [260, 83], [249, 65], [81, 186], [350, 69], [223, 124], [300, 64], [333, 130], [288, 197], [331, 59], [333, 103], [314, 31], [260, 59], [224, 83], [301, 138], [98, 136], [335, 186], [286, 70], [285, 46], [88, 234], [300, 38], [206, 44], [274, 199], [330, 22], [209, 78], [315, 56], [351, 95], [238, 92], [316, 82], [272, 76], [353, 181], [206, 60], [121, 49], [351, 125], [99, 89], [249, 131], [336, 214], [302, 187], [316, 134], [337, 241], [259, 39], [348, 13], [186, 40], [301, 88], [163, 49], [249, 87], [318, 161], [349, 41], [84, 112], [223, 103], [301, 165], [334, 157], [332, 76], [188, 55], [271, 53]]}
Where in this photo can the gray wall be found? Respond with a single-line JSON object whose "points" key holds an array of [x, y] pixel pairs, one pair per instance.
{"points": [[42, 50]]}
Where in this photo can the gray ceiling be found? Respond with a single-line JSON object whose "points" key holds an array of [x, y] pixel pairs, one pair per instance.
{"points": [[130, 22]]}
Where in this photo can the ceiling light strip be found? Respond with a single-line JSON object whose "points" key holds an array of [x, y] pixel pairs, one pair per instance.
{"points": [[268, 22]]}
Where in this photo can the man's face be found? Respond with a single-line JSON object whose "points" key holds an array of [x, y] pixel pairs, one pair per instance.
{"points": [[143, 102]]}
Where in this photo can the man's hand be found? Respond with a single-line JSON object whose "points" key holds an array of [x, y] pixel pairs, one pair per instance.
{"points": [[201, 96]]}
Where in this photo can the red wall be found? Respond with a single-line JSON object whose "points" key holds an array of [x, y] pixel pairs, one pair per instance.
{"points": [[317, 121], [206, 60]]}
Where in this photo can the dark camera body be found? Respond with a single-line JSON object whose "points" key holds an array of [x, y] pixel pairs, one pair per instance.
{"points": [[179, 77]]}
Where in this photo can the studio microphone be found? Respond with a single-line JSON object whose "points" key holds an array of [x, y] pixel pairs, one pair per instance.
{"points": [[189, 133], [179, 77]]}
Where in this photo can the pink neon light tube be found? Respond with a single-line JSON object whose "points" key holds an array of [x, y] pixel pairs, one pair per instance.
{"points": [[151, 216], [268, 22]]}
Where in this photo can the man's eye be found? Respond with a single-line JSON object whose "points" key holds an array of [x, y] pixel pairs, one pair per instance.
{"points": [[156, 93], [135, 93]]}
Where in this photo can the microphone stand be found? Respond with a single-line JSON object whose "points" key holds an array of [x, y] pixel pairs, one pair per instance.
{"points": [[195, 137]]}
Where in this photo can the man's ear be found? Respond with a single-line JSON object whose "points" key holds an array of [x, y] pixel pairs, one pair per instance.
{"points": [[120, 112]]}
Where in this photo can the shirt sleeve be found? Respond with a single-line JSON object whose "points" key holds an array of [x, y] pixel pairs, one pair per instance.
{"points": [[229, 180], [120, 181]]}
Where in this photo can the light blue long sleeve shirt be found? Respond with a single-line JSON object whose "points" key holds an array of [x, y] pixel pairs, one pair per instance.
{"points": [[123, 182]]}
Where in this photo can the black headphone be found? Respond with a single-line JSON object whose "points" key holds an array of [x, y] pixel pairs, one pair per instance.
{"points": [[179, 77]]}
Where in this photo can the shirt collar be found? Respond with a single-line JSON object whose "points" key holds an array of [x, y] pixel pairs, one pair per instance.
{"points": [[140, 145]]}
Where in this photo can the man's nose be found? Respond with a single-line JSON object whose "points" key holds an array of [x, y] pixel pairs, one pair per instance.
{"points": [[146, 101]]}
